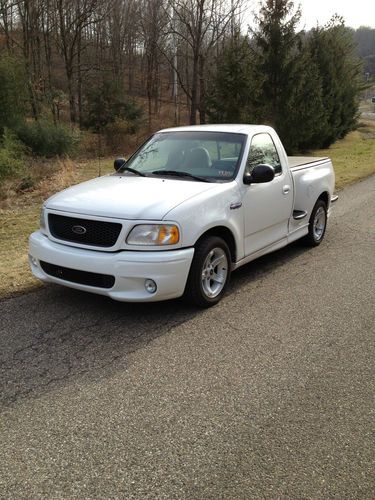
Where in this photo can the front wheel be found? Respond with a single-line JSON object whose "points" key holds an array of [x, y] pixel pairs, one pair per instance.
{"points": [[209, 273], [317, 225]]}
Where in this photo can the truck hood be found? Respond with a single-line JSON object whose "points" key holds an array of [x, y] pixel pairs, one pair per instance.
{"points": [[126, 197]]}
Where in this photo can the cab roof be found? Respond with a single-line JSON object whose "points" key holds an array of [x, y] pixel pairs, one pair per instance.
{"points": [[231, 128]]}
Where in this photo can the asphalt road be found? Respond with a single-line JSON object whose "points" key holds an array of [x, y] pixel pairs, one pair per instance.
{"points": [[268, 395]]}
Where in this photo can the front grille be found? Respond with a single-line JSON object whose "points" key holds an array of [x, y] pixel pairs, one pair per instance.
{"points": [[84, 231], [81, 277]]}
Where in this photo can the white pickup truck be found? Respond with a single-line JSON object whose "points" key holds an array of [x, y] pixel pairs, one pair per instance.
{"points": [[190, 206]]}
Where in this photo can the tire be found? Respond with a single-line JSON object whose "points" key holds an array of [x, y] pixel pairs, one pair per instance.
{"points": [[317, 225], [202, 289]]}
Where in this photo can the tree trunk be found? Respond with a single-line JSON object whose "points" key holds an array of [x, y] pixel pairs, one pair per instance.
{"points": [[202, 90], [194, 90], [79, 79], [48, 56], [72, 100]]}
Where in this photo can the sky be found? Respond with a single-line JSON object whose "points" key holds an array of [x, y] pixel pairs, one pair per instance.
{"points": [[355, 12]]}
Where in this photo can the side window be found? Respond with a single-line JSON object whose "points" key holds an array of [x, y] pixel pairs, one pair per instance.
{"points": [[263, 150]]}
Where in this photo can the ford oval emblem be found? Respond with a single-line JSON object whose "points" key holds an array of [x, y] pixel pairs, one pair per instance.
{"points": [[79, 229]]}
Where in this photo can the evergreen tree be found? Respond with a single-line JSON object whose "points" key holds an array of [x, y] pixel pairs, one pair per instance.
{"points": [[334, 52], [291, 87], [233, 91], [106, 103], [276, 45], [302, 118]]}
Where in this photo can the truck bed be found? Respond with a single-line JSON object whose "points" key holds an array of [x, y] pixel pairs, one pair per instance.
{"points": [[305, 161]]}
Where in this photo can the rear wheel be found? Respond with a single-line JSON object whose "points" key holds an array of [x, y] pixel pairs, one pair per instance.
{"points": [[209, 273], [317, 225]]}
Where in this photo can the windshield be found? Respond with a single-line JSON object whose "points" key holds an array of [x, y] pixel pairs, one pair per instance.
{"points": [[208, 156]]}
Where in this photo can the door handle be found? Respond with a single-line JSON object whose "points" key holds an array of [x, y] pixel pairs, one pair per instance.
{"points": [[286, 189]]}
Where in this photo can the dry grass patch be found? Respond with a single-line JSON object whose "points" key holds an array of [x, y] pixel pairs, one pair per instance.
{"points": [[354, 156], [19, 215], [16, 225]]}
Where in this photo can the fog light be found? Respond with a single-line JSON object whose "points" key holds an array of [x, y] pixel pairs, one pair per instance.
{"points": [[33, 261], [150, 286]]}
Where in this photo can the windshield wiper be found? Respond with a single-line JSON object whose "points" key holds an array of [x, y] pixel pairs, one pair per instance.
{"points": [[178, 173], [132, 170]]}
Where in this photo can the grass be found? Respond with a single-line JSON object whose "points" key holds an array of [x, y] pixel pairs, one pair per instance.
{"points": [[19, 214], [353, 158]]}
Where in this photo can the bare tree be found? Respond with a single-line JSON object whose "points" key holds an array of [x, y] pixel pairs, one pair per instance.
{"points": [[198, 26], [7, 17], [72, 18], [152, 22], [146, 46], [29, 15]]}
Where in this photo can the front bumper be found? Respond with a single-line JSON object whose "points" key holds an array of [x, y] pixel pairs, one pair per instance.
{"points": [[169, 269]]}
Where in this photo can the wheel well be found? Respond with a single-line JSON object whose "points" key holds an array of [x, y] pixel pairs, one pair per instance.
{"points": [[224, 233], [324, 197]]}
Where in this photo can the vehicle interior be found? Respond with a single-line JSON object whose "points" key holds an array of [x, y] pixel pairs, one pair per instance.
{"points": [[213, 156]]}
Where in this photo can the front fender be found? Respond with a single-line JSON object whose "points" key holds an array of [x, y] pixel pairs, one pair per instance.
{"points": [[209, 210]]}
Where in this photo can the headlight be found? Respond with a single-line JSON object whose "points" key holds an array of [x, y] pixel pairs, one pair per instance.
{"points": [[43, 227], [154, 234]]}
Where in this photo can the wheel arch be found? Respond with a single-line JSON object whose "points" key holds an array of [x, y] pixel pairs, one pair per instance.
{"points": [[324, 197], [226, 234]]}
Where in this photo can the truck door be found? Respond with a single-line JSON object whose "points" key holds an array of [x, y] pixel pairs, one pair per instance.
{"points": [[267, 206]]}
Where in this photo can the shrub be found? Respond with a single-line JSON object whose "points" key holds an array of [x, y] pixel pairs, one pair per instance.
{"points": [[117, 135], [107, 103], [11, 155], [27, 182], [44, 138], [13, 95]]}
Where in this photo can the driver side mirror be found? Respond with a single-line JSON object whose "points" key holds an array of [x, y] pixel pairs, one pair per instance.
{"points": [[118, 163], [260, 173]]}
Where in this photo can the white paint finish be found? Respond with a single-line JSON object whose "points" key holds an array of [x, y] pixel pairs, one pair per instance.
{"points": [[202, 213], [270, 248], [262, 222], [310, 183], [126, 196], [267, 210], [169, 269], [300, 161]]}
